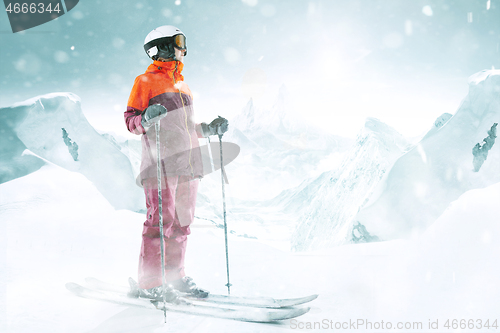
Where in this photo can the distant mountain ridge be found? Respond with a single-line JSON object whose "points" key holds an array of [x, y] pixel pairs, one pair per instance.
{"points": [[279, 149], [423, 182], [388, 189]]}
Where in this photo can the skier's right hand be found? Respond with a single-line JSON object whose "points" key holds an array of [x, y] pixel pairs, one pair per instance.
{"points": [[152, 112]]}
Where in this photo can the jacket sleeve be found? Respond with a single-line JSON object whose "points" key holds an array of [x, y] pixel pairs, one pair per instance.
{"points": [[137, 103]]}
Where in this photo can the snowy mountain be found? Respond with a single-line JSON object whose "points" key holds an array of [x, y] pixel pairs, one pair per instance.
{"points": [[423, 182], [53, 128], [329, 203], [277, 119], [279, 149]]}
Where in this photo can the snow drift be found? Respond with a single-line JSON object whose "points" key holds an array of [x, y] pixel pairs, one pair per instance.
{"points": [[54, 128], [423, 182]]}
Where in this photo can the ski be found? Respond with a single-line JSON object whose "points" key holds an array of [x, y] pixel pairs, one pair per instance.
{"points": [[258, 302], [241, 314]]}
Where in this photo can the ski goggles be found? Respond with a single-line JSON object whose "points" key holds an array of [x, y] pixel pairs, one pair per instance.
{"points": [[180, 42]]}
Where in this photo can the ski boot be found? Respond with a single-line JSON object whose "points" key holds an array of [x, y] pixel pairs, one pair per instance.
{"points": [[155, 293], [187, 285]]}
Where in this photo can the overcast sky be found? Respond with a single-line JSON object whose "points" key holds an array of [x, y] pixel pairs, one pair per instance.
{"points": [[404, 62]]}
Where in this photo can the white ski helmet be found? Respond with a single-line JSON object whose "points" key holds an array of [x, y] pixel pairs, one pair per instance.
{"points": [[161, 42]]}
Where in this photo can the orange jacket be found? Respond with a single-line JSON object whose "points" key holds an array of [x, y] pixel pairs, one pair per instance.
{"points": [[163, 83]]}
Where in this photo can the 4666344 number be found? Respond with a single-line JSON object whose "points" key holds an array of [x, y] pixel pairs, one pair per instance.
{"points": [[470, 324], [32, 8]]}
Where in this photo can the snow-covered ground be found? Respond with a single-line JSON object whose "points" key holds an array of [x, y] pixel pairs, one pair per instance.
{"points": [[50, 236]]}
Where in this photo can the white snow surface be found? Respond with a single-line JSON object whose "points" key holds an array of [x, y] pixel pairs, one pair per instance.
{"points": [[36, 125], [49, 236], [423, 182]]}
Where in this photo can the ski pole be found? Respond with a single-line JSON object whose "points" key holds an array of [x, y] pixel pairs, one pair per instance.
{"points": [[209, 145], [162, 237], [228, 285]]}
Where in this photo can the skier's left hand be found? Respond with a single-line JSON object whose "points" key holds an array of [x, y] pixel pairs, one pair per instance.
{"points": [[217, 126]]}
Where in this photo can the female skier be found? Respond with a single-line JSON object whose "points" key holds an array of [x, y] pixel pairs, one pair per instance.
{"points": [[161, 95]]}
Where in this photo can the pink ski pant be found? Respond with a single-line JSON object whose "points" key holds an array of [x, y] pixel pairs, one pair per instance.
{"points": [[178, 204]]}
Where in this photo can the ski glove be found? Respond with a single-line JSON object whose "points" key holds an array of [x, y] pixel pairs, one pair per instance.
{"points": [[149, 115], [217, 126]]}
